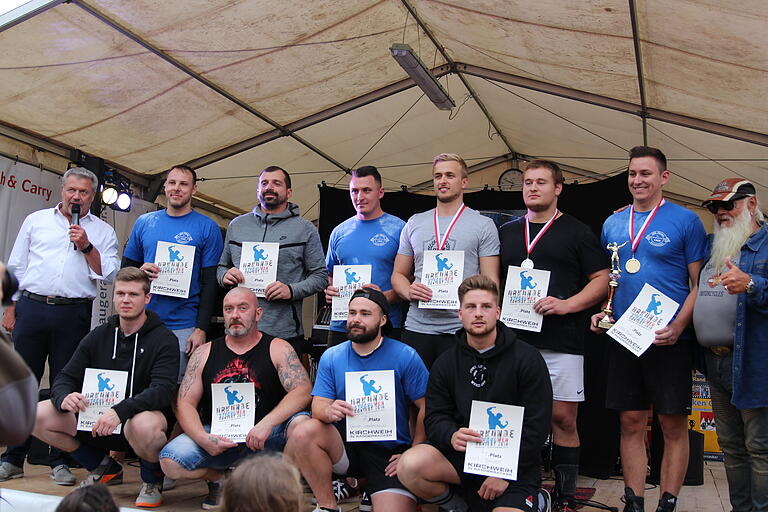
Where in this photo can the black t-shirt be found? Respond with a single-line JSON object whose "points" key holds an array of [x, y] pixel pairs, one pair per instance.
{"points": [[571, 252], [224, 366]]}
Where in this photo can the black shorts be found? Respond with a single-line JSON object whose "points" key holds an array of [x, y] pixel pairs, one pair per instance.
{"points": [[662, 376], [520, 494], [428, 346], [338, 337], [118, 442], [368, 459]]}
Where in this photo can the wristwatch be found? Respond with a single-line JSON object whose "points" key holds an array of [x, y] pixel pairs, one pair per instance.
{"points": [[750, 286], [87, 249]]}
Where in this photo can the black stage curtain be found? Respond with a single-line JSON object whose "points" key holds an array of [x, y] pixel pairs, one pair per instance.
{"points": [[591, 203]]}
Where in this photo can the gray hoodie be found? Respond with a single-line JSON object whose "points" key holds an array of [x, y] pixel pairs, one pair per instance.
{"points": [[301, 264]]}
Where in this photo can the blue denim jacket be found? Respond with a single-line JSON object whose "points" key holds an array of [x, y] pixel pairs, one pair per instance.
{"points": [[750, 344]]}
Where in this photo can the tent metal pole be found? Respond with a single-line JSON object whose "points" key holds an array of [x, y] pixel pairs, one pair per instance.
{"points": [[639, 64], [25, 12], [731, 132], [463, 79], [208, 83]]}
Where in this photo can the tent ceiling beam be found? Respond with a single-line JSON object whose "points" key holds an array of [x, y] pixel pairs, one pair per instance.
{"points": [[208, 83], [452, 64], [313, 119], [639, 64], [614, 104], [509, 157], [26, 11]]}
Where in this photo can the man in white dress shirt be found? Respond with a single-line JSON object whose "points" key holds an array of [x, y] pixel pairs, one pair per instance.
{"points": [[57, 261]]}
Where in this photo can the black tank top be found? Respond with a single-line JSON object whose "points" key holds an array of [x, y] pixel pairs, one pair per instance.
{"points": [[224, 366]]}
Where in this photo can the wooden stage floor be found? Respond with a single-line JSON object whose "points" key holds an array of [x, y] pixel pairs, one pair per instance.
{"points": [[187, 496]]}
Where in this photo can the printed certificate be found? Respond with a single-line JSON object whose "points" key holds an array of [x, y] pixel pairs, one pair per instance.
{"points": [[372, 394], [347, 278], [442, 272], [176, 262], [102, 389], [233, 410], [524, 288], [501, 427], [258, 263], [650, 311]]}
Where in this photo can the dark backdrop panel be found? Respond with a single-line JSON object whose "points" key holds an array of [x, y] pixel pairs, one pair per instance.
{"points": [[591, 203]]}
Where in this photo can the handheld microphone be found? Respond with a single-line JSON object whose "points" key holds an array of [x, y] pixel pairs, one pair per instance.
{"points": [[76, 216]]}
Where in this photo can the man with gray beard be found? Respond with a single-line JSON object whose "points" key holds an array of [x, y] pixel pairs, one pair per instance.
{"points": [[731, 321]]}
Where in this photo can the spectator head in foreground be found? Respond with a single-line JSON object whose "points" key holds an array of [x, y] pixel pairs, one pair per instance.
{"points": [[263, 483]]}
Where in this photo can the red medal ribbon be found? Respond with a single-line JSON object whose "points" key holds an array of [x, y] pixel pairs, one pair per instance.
{"points": [[441, 243], [530, 245], [636, 239]]}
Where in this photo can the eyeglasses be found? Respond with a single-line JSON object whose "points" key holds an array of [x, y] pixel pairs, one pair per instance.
{"points": [[714, 206]]}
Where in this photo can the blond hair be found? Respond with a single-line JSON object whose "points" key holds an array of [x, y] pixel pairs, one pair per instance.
{"points": [[451, 157], [263, 483], [478, 282]]}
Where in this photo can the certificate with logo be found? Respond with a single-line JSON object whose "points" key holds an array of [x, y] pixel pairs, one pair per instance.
{"points": [[176, 262], [103, 389], [650, 311], [233, 410], [524, 288], [372, 394], [501, 427], [258, 263], [442, 272], [347, 278]]}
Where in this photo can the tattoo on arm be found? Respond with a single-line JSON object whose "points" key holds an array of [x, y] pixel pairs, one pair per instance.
{"points": [[214, 440], [189, 375], [291, 372]]}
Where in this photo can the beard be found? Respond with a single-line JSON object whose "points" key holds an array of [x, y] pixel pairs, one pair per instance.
{"points": [[728, 240], [363, 336], [238, 330], [273, 201], [480, 331]]}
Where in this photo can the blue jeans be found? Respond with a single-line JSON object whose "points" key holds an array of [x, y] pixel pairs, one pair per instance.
{"points": [[743, 437], [189, 455]]}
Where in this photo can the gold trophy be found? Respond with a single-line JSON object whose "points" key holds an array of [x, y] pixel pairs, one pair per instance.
{"points": [[612, 284]]}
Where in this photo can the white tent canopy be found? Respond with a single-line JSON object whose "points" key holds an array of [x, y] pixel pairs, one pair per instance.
{"points": [[233, 86]]}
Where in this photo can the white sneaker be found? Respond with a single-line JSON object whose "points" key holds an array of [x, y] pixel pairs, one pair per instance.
{"points": [[9, 471]]}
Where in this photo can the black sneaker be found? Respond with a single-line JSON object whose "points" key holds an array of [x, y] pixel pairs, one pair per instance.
{"points": [[667, 503], [343, 492], [213, 500], [366, 505], [110, 473], [633, 503]]}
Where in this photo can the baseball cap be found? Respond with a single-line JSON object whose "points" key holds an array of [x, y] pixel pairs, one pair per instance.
{"points": [[731, 189], [380, 299]]}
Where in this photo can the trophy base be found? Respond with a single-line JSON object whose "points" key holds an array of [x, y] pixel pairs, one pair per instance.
{"points": [[605, 324]]}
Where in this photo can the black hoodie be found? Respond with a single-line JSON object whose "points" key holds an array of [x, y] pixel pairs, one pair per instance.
{"points": [[512, 373], [151, 386]]}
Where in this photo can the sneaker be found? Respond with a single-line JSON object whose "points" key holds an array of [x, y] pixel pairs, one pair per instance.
{"points": [[110, 473], [323, 509], [61, 475], [150, 496], [543, 501], [168, 483], [343, 492], [213, 500], [366, 505], [667, 503], [9, 471], [633, 503]]}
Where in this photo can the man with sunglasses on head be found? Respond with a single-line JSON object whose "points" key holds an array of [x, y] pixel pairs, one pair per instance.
{"points": [[731, 321], [663, 245]]}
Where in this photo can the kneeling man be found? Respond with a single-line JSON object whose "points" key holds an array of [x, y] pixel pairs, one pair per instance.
{"points": [[244, 355], [134, 341], [490, 364], [320, 446]]}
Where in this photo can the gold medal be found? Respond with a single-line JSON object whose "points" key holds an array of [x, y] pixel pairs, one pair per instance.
{"points": [[632, 265]]}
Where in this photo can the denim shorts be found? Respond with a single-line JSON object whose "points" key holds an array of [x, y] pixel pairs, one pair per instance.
{"points": [[185, 452]]}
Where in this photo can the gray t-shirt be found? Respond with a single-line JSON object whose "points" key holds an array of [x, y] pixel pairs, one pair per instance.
{"points": [[473, 233], [714, 314]]}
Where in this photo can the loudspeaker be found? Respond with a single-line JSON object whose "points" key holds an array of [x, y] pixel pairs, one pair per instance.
{"points": [[695, 473]]}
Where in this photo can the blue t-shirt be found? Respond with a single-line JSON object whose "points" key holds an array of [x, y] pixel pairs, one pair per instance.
{"points": [[367, 242], [674, 238], [191, 229], [410, 377]]}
